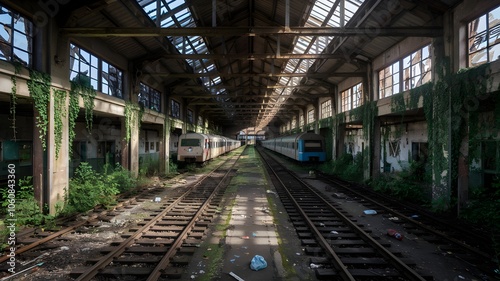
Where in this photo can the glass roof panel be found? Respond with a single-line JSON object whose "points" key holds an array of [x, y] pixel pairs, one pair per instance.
{"points": [[174, 13]]}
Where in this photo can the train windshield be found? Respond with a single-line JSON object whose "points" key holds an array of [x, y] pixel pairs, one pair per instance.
{"points": [[312, 146], [190, 142]]}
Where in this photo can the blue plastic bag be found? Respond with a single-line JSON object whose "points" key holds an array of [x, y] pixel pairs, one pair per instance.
{"points": [[258, 263]]}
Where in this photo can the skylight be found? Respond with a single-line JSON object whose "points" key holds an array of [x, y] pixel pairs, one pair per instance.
{"points": [[175, 13], [321, 15]]}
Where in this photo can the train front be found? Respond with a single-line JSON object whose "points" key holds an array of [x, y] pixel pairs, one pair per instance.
{"points": [[191, 148]]}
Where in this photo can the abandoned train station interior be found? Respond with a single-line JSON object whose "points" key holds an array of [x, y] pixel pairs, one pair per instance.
{"points": [[392, 86]]}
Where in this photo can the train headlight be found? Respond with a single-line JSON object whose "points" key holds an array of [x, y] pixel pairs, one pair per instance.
{"points": [[190, 149]]}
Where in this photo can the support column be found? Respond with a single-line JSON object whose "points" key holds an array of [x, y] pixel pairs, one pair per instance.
{"points": [[165, 147], [58, 170], [134, 150], [125, 147], [39, 163], [340, 140], [376, 142]]}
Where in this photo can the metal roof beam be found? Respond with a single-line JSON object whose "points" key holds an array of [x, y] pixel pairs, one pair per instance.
{"points": [[418, 31], [216, 74]]}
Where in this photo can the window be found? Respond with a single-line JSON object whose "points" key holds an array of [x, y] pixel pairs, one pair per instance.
{"points": [[16, 37], [149, 97], [301, 120], [200, 121], [95, 72], [417, 68], [176, 109], [326, 109], [389, 80], [484, 38], [190, 117], [310, 116], [294, 122], [352, 97]]}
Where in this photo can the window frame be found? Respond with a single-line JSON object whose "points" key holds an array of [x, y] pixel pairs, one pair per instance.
{"points": [[485, 36], [95, 71], [310, 116], [13, 44], [149, 97], [389, 73], [326, 109], [351, 97], [175, 109]]}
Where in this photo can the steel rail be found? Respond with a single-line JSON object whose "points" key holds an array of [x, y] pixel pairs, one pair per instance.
{"points": [[419, 224], [165, 261], [46, 239], [390, 257]]}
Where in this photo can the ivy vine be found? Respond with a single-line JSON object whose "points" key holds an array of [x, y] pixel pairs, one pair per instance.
{"points": [[448, 114], [39, 88], [73, 110], [13, 97], [81, 86], [133, 118], [59, 113]]}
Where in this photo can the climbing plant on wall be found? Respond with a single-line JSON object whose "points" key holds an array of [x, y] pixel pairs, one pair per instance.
{"points": [[39, 88], [81, 86], [133, 117], [73, 109], [13, 97], [59, 113], [447, 113]]}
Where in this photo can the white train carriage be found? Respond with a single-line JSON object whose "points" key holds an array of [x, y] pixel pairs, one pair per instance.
{"points": [[199, 148]]}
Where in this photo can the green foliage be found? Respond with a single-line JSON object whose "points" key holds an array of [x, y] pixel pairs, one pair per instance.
{"points": [[121, 176], [88, 189], [133, 118], [346, 167], [27, 209], [39, 88], [59, 113], [13, 97], [73, 110], [405, 185], [81, 86], [398, 103], [484, 207]]}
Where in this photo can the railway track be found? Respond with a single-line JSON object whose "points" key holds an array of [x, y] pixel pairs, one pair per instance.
{"points": [[340, 249], [469, 245], [30, 239], [162, 244]]}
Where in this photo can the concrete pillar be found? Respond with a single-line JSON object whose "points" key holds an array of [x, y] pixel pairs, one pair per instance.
{"points": [[165, 147], [134, 150], [375, 150], [58, 170], [340, 140], [39, 163], [125, 147]]}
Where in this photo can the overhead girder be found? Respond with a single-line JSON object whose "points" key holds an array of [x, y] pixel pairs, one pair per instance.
{"points": [[418, 31], [216, 74]]}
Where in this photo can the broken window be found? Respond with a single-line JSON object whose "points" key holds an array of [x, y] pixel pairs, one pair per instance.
{"points": [[484, 38], [149, 97], [91, 71], [16, 38]]}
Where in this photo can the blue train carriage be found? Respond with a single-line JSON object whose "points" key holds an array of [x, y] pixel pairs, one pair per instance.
{"points": [[303, 147], [311, 148]]}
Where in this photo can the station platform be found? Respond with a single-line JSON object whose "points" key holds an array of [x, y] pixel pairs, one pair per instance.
{"points": [[256, 224]]}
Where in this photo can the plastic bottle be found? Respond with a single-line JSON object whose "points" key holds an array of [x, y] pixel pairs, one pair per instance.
{"points": [[395, 234]]}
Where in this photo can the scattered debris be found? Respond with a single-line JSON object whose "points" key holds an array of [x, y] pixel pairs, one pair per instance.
{"points": [[314, 266], [395, 234], [258, 262], [236, 276], [370, 212]]}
